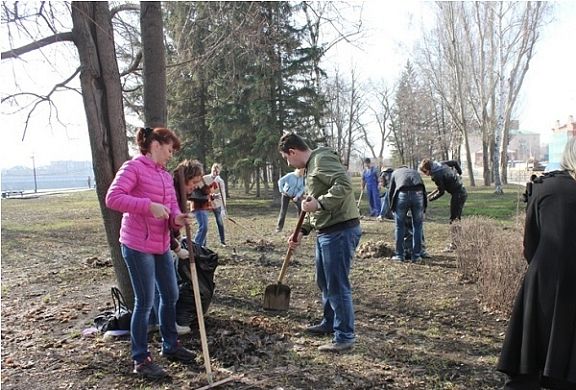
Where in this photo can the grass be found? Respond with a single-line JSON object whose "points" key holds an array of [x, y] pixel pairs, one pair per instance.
{"points": [[482, 201]]}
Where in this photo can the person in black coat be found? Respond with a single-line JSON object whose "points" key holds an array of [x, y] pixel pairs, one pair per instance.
{"points": [[539, 349]]}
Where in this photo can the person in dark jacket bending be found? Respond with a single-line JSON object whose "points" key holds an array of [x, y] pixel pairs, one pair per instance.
{"points": [[446, 176], [540, 345], [407, 192]]}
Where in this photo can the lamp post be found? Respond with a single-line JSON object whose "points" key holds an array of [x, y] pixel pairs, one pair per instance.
{"points": [[34, 171]]}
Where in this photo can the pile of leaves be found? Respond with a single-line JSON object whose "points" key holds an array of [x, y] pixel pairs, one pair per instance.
{"points": [[371, 249]]}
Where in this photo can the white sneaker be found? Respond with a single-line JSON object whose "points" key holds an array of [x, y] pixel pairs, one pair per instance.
{"points": [[183, 329]]}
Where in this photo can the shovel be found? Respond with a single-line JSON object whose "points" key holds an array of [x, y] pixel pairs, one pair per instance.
{"points": [[360, 200], [277, 296]]}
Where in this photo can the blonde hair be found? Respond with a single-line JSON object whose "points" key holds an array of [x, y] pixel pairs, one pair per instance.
{"points": [[568, 161], [216, 165]]}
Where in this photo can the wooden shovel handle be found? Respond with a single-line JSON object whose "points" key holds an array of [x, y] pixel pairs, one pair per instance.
{"points": [[194, 277], [290, 251]]}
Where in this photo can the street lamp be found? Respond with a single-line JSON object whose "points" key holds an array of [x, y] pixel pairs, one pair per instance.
{"points": [[34, 171]]}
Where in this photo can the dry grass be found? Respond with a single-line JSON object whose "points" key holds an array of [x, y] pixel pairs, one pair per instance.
{"points": [[490, 254], [418, 326]]}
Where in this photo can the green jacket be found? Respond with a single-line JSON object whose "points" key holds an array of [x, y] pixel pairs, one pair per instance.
{"points": [[327, 180]]}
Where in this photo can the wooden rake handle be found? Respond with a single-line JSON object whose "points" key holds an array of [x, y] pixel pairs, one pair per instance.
{"points": [[194, 277], [290, 251]]}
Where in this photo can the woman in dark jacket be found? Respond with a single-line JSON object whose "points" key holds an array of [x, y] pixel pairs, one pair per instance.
{"points": [[540, 345]]}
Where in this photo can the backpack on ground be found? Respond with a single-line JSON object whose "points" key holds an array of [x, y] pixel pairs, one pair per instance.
{"points": [[119, 319]]}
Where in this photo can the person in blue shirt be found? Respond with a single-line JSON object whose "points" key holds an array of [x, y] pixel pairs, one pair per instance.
{"points": [[385, 212], [291, 186], [370, 178]]}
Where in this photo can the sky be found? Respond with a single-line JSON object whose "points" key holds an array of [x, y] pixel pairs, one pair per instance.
{"points": [[549, 91]]}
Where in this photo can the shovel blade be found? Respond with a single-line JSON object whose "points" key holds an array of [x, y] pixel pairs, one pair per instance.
{"points": [[277, 297]]}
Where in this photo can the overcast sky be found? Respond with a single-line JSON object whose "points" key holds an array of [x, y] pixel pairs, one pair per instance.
{"points": [[549, 91]]}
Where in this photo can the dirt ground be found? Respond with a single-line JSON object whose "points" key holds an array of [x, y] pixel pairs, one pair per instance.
{"points": [[418, 326]]}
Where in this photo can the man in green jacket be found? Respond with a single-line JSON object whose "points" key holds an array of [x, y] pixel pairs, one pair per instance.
{"points": [[332, 212]]}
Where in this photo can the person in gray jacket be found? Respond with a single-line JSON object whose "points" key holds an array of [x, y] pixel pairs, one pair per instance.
{"points": [[291, 186], [407, 192]]}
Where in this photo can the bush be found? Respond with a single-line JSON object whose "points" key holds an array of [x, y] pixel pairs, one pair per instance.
{"points": [[490, 255]]}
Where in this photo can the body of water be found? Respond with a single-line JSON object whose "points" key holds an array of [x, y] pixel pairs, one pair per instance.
{"points": [[49, 182]]}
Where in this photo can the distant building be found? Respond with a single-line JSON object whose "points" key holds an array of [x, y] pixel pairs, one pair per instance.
{"points": [[560, 135], [523, 146]]}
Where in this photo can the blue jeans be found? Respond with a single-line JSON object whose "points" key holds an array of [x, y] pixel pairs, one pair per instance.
{"points": [[149, 272], [334, 255], [217, 213], [373, 199], [202, 219], [413, 201], [385, 209]]}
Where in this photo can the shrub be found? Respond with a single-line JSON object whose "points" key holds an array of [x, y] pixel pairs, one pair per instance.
{"points": [[490, 255]]}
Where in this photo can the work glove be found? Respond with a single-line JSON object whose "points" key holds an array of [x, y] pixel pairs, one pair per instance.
{"points": [[223, 213], [183, 254]]}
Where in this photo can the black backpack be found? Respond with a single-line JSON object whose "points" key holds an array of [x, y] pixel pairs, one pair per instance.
{"points": [[119, 319]]}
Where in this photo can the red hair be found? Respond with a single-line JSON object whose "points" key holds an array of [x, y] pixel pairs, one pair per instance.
{"points": [[145, 136]]}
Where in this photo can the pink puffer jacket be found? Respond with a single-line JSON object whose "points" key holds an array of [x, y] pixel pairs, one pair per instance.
{"points": [[137, 184]]}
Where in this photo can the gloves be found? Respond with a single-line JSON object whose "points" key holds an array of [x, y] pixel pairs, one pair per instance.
{"points": [[223, 213], [183, 254]]}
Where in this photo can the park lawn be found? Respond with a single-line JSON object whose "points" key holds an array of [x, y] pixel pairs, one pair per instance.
{"points": [[418, 326]]}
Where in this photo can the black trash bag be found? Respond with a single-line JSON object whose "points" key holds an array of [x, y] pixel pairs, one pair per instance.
{"points": [[206, 263], [119, 319]]}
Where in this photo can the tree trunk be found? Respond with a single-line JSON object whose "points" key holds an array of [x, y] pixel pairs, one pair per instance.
{"points": [[152, 30], [102, 96]]}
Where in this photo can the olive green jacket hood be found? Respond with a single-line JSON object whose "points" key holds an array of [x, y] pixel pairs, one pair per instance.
{"points": [[327, 181]]}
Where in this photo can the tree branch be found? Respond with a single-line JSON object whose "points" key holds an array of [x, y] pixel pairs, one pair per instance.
{"points": [[124, 7], [134, 65], [38, 99], [60, 37]]}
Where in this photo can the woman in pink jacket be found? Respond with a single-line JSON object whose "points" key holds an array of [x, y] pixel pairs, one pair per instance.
{"points": [[144, 192]]}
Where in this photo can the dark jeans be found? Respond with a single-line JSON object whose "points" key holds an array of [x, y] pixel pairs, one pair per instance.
{"points": [[284, 203], [457, 205]]}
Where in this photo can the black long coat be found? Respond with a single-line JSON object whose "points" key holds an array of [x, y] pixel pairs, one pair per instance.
{"points": [[541, 334]]}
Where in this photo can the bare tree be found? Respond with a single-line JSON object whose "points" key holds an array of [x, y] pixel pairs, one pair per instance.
{"points": [[320, 17], [382, 112], [448, 48], [518, 35], [486, 48], [93, 36], [345, 110]]}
